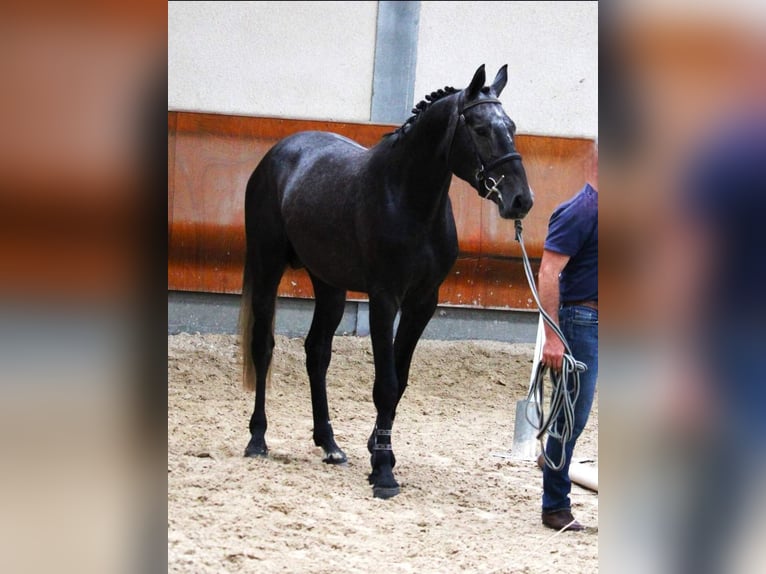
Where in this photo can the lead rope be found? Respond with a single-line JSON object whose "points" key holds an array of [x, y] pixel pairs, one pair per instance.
{"points": [[561, 401]]}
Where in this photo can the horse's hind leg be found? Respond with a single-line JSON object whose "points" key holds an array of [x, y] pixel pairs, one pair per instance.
{"points": [[328, 311], [263, 300], [267, 255]]}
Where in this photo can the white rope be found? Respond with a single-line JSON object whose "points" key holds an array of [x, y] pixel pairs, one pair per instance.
{"points": [[561, 401]]}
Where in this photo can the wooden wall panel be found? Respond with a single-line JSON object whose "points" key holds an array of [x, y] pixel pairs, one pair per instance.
{"points": [[172, 122], [210, 158]]}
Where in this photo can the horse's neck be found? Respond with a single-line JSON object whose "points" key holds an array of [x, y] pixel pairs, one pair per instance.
{"points": [[418, 165]]}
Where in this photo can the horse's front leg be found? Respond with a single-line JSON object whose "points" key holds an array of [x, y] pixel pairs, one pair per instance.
{"points": [[385, 394], [414, 318], [416, 313]]}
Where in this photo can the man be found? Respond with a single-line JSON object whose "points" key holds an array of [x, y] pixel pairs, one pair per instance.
{"points": [[568, 289], [718, 215]]}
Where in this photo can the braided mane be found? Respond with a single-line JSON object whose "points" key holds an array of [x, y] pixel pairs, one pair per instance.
{"points": [[422, 106]]}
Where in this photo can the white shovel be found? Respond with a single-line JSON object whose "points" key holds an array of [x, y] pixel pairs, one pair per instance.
{"points": [[527, 421]]}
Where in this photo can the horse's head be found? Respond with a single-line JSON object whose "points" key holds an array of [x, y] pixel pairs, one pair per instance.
{"points": [[483, 150]]}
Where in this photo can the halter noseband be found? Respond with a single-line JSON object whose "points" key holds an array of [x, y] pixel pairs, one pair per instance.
{"points": [[490, 185]]}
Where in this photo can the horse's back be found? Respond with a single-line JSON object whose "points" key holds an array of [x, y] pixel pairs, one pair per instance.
{"points": [[307, 150]]}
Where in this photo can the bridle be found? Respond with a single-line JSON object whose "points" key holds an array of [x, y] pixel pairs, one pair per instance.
{"points": [[482, 178]]}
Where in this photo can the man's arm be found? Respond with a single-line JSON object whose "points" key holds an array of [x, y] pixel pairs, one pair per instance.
{"points": [[551, 265]]}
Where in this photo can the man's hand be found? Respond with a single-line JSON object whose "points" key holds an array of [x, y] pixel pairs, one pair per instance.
{"points": [[553, 351]]}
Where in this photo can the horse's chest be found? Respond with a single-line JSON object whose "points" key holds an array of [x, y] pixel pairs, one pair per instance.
{"points": [[425, 259], [437, 254]]}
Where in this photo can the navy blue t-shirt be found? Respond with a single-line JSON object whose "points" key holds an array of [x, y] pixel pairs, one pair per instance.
{"points": [[725, 190], [573, 231]]}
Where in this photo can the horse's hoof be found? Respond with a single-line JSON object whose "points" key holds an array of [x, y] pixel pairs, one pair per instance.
{"points": [[384, 484], [256, 449], [332, 452], [335, 457], [385, 492], [256, 453]]}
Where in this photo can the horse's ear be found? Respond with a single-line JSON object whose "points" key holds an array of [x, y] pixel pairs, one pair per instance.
{"points": [[477, 83], [500, 80]]}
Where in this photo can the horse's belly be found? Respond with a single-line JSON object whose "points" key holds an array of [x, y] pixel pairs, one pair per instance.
{"points": [[333, 262], [346, 279]]}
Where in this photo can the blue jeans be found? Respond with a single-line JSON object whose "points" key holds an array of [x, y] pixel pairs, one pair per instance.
{"points": [[580, 327]]}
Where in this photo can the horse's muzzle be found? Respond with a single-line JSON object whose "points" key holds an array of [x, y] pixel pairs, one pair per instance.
{"points": [[518, 207]]}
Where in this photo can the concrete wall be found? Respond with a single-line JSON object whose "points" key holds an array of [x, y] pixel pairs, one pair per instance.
{"points": [[218, 313], [551, 49], [304, 60], [316, 60]]}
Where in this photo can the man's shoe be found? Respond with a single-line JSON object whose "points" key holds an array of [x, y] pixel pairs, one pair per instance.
{"points": [[561, 520]]}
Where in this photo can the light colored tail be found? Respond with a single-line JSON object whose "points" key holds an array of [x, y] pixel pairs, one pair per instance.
{"points": [[246, 320], [246, 333]]}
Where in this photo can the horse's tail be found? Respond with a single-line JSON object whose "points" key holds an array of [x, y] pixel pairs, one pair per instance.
{"points": [[246, 320]]}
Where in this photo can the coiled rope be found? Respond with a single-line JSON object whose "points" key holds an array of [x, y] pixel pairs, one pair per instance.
{"points": [[561, 400]]}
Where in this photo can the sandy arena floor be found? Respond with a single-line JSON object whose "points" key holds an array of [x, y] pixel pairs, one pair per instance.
{"points": [[461, 509]]}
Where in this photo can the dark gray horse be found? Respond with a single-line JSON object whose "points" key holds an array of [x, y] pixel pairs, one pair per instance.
{"points": [[375, 220]]}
